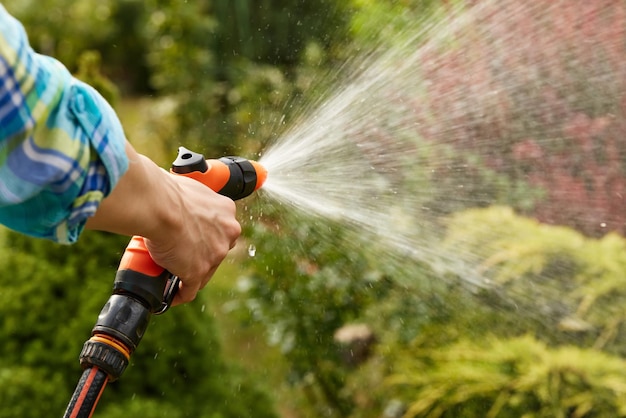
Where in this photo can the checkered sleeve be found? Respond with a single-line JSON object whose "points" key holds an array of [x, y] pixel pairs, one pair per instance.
{"points": [[62, 147]]}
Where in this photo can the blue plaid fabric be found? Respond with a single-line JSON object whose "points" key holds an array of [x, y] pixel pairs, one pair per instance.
{"points": [[62, 147]]}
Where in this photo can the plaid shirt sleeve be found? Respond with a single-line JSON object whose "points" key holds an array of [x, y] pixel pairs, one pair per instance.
{"points": [[62, 147]]}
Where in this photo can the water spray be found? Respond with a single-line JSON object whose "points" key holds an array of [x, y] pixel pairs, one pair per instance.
{"points": [[142, 288]]}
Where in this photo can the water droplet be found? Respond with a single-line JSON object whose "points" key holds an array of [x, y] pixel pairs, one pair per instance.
{"points": [[251, 250]]}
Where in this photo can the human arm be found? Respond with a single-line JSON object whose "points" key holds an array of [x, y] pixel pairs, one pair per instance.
{"points": [[65, 163]]}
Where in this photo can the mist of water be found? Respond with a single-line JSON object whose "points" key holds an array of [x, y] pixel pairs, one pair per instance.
{"points": [[390, 148]]}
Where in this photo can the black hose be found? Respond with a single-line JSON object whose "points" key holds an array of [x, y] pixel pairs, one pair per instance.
{"points": [[88, 391]]}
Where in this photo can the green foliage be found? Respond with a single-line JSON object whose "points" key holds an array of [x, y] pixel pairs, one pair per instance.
{"points": [[44, 313], [146, 408], [225, 61], [29, 392], [376, 22], [541, 339], [276, 32], [89, 66], [308, 281], [467, 176], [567, 282], [539, 280], [65, 28], [519, 377], [50, 300], [179, 53]]}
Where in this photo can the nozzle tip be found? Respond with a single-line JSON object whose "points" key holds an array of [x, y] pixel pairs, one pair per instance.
{"points": [[261, 174]]}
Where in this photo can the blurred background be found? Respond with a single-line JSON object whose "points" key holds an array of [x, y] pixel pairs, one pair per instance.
{"points": [[300, 320]]}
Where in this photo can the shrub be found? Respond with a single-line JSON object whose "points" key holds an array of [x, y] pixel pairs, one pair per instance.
{"points": [[542, 338], [519, 377], [50, 300]]}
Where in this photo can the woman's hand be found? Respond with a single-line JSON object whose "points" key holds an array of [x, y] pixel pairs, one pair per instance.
{"points": [[188, 228], [206, 231]]}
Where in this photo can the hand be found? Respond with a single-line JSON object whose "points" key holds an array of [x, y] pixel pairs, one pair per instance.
{"points": [[207, 231], [188, 228]]}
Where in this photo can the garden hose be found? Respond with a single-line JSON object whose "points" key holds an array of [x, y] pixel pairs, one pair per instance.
{"points": [[142, 288], [87, 393]]}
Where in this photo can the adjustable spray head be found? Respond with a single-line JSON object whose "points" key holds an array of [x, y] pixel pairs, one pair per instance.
{"points": [[234, 177]]}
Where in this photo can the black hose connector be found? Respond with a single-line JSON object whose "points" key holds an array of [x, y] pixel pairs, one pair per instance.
{"points": [[123, 321], [146, 289], [117, 333], [124, 318], [104, 356]]}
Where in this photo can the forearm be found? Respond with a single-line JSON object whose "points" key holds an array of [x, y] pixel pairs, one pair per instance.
{"points": [[143, 202]]}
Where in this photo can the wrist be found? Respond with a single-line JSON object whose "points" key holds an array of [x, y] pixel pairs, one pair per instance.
{"points": [[160, 204], [145, 201]]}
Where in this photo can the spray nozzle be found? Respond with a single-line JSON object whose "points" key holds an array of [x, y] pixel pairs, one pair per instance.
{"points": [[234, 177]]}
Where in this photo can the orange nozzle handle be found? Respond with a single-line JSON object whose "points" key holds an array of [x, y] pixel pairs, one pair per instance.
{"points": [[138, 258], [141, 276]]}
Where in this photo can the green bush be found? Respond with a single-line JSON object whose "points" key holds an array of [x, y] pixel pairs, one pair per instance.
{"points": [[539, 339], [50, 300], [309, 280], [29, 392], [511, 378], [570, 285]]}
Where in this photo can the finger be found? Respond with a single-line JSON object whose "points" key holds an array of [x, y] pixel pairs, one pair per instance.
{"points": [[185, 294]]}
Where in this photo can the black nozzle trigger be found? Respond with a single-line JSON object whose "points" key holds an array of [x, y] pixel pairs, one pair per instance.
{"points": [[171, 288], [188, 161]]}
